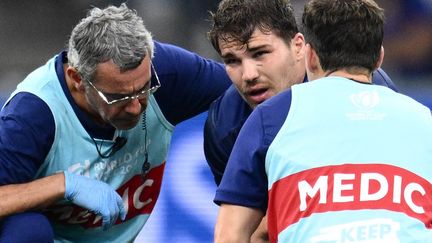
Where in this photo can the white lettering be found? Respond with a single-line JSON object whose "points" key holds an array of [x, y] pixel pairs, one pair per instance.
{"points": [[81, 169], [364, 187], [125, 198], [128, 168], [305, 189], [375, 230], [366, 179], [339, 187], [97, 218], [127, 158], [98, 166], [410, 188], [112, 165], [397, 189], [136, 201]]}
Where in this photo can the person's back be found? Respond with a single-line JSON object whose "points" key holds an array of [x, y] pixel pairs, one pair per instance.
{"points": [[336, 159], [345, 178]]}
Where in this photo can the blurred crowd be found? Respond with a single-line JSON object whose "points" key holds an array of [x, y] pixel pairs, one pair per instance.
{"points": [[31, 31], [409, 36]]}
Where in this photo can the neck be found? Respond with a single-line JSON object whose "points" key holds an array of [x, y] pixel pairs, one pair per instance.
{"points": [[359, 77]]}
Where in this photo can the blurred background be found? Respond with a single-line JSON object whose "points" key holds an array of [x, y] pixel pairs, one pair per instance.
{"points": [[33, 31]]}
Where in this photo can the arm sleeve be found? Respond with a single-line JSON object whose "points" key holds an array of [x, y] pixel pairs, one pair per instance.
{"points": [[189, 82], [226, 117], [216, 148], [26, 136], [219, 139], [244, 182]]}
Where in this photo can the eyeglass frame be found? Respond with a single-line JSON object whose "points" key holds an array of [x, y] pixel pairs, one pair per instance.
{"points": [[142, 93]]}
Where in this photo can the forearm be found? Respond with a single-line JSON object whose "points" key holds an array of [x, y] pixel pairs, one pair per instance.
{"points": [[37, 194], [236, 223], [261, 233]]}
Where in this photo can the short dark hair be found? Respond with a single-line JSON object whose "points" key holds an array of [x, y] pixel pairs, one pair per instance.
{"points": [[344, 33], [236, 20]]}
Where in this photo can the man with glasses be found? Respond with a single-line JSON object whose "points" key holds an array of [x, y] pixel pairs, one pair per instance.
{"points": [[84, 138]]}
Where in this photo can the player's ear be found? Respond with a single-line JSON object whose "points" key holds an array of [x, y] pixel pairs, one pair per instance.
{"points": [[312, 63], [381, 58], [298, 42], [75, 77], [311, 58]]}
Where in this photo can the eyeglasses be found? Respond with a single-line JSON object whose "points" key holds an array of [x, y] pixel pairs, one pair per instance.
{"points": [[116, 99]]}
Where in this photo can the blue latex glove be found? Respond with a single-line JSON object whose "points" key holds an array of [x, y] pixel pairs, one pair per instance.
{"points": [[96, 196]]}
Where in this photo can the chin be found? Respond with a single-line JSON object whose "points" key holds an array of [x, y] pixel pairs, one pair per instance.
{"points": [[252, 105]]}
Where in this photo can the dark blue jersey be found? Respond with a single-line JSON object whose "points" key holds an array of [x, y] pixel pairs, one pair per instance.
{"points": [[257, 144], [189, 83], [226, 117]]}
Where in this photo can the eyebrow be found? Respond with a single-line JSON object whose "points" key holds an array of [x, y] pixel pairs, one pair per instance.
{"points": [[146, 85], [255, 48], [227, 55], [248, 49]]}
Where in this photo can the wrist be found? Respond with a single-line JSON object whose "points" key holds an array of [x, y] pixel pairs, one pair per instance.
{"points": [[67, 188]]}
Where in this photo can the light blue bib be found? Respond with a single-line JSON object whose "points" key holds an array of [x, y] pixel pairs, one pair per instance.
{"points": [[74, 150], [351, 163]]}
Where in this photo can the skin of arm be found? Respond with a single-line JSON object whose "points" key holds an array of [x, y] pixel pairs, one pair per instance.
{"points": [[261, 233], [16, 198], [236, 223]]}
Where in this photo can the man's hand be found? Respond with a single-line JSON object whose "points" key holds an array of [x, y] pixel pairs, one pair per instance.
{"points": [[96, 196]]}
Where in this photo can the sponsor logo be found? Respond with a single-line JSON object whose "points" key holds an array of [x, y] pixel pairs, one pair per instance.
{"points": [[365, 102], [139, 196], [103, 170], [349, 187]]}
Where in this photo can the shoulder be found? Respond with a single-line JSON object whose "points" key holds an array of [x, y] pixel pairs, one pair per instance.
{"points": [[278, 105], [27, 113], [189, 82], [27, 105], [274, 112], [164, 53], [26, 125], [169, 58], [228, 112], [268, 117], [380, 77]]}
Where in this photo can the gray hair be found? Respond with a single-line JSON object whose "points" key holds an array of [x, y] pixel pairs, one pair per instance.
{"points": [[113, 33]]}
